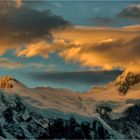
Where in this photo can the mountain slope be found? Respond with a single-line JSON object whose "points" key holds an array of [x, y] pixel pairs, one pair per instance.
{"points": [[104, 104], [128, 123], [20, 120]]}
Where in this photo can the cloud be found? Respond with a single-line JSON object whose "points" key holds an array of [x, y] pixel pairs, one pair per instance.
{"points": [[31, 33], [41, 48], [131, 12], [107, 48], [104, 47], [19, 3], [5, 5], [21, 25], [85, 77], [103, 21], [9, 64]]}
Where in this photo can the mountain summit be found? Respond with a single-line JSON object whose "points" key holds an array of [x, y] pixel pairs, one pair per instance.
{"points": [[5, 82], [126, 81]]}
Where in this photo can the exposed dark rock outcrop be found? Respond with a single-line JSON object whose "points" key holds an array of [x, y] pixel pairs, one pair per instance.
{"points": [[127, 124]]}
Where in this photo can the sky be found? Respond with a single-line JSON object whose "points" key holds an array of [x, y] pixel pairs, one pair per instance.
{"points": [[69, 44]]}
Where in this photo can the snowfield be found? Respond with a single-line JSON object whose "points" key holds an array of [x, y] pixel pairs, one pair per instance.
{"points": [[118, 114]]}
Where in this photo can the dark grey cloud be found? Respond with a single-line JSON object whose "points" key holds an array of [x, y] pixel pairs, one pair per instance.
{"points": [[87, 77], [130, 12], [25, 23], [103, 20], [22, 25]]}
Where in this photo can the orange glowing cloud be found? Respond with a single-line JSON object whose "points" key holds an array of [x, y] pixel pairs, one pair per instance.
{"points": [[18, 3], [104, 47], [108, 48], [43, 48]]}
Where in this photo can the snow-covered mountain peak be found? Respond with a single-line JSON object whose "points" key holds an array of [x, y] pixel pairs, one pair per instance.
{"points": [[126, 80], [10, 84], [5, 82]]}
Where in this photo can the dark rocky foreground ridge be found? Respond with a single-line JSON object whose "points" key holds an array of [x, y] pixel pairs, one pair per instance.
{"points": [[19, 120], [128, 124]]}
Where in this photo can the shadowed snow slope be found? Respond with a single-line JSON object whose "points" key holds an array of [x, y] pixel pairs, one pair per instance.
{"points": [[20, 120], [103, 103]]}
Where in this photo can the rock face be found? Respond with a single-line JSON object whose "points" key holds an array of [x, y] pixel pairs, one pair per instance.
{"points": [[126, 81], [5, 82], [127, 124]]}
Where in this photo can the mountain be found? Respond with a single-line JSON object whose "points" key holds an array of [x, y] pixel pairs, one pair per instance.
{"points": [[45, 112], [128, 123], [5, 82], [127, 80], [20, 120]]}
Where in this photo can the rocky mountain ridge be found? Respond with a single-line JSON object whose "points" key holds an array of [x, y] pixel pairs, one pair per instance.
{"points": [[5, 82], [126, 81], [128, 124]]}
